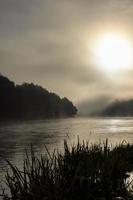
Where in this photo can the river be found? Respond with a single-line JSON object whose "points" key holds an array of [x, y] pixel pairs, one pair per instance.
{"points": [[17, 136]]}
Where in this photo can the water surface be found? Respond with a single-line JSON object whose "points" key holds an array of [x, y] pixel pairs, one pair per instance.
{"points": [[15, 137]]}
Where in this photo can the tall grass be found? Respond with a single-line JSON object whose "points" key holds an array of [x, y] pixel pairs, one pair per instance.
{"points": [[82, 172]]}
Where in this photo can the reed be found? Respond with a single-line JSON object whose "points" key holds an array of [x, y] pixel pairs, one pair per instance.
{"points": [[82, 172]]}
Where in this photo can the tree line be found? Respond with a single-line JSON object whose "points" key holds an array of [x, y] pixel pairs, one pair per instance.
{"points": [[30, 101], [119, 108]]}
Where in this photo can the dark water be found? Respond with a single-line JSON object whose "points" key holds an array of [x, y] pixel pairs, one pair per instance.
{"points": [[15, 137]]}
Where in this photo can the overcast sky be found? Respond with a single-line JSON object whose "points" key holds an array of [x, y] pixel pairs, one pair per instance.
{"points": [[48, 42]]}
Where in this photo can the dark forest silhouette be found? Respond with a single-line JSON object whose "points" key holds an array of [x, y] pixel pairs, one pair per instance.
{"points": [[119, 108], [29, 101]]}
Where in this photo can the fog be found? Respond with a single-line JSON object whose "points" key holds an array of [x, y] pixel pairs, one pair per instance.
{"points": [[49, 42]]}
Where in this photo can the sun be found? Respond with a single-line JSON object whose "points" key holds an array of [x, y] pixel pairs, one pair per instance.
{"points": [[113, 52]]}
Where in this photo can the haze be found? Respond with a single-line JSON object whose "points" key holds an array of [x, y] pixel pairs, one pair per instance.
{"points": [[50, 42]]}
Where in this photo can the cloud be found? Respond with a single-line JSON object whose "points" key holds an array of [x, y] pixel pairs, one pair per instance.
{"points": [[46, 42]]}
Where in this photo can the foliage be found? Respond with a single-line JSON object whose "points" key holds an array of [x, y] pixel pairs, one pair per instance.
{"points": [[82, 172], [29, 101], [119, 108]]}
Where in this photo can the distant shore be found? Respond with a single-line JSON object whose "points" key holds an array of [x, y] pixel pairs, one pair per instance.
{"points": [[29, 101]]}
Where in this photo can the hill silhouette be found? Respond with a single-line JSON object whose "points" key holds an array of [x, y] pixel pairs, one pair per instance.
{"points": [[29, 101], [119, 108]]}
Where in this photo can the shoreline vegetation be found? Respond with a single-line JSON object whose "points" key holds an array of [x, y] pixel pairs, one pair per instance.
{"points": [[119, 108], [29, 101], [83, 172]]}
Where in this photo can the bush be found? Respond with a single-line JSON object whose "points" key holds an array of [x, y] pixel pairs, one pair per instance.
{"points": [[82, 172]]}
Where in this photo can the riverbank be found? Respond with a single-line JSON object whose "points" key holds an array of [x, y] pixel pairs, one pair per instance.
{"points": [[82, 172]]}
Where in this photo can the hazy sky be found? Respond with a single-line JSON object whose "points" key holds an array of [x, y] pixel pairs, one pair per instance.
{"points": [[49, 42]]}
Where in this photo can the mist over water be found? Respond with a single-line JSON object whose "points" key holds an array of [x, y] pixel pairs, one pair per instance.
{"points": [[15, 137]]}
